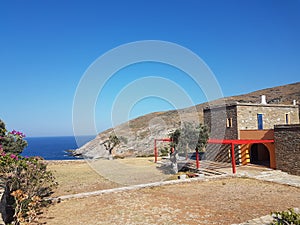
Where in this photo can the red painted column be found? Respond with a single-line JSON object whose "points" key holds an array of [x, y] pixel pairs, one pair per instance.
{"points": [[197, 160], [155, 152], [233, 159]]}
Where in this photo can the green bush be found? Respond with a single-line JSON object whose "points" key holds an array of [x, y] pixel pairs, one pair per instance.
{"points": [[28, 182], [289, 217], [164, 151], [11, 142]]}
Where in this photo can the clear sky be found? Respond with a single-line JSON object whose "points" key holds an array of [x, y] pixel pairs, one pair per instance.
{"points": [[46, 47]]}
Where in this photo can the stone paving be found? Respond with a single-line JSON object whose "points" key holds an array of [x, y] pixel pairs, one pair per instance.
{"points": [[266, 174], [264, 220], [269, 175]]}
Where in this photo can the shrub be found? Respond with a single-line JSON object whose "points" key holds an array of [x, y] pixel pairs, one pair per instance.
{"points": [[11, 142], [289, 217], [164, 151], [28, 182]]}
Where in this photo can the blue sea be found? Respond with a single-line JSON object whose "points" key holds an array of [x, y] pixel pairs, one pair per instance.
{"points": [[53, 148]]}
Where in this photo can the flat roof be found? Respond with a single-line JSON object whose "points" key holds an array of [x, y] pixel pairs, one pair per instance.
{"points": [[231, 104]]}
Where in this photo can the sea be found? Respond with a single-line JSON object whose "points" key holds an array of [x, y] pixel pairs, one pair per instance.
{"points": [[53, 148]]}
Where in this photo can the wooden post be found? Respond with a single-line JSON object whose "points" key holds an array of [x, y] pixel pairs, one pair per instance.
{"points": [[197, 159], [155, 152], [233, 159]]}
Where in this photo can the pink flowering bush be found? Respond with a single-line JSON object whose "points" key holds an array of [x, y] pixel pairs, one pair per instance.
{"points": [[28, 182], [11, 142], [17, 133], [26, 179]]}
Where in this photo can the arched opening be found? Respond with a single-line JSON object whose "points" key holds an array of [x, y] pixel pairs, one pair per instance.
{"points": [[259, 154]]}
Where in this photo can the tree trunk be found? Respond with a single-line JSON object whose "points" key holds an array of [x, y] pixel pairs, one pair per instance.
{"points": [[173, 159], [186, 151], [175, 167], [110, 157]]}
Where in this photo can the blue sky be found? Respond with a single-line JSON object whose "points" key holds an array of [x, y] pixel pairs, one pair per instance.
{"points": [[46, 47]]}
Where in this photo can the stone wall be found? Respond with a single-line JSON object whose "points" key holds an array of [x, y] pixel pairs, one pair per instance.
{"points": [[272, 115], [287, 148], [215, 120], [2, 203], [243, 116]]}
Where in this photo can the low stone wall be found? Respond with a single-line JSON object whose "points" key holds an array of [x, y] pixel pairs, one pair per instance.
{"points": [[287, 148]]}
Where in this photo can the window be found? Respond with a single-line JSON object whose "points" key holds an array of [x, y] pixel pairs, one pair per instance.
{"points": [[260, 124], [229, 122], [287, 118]]}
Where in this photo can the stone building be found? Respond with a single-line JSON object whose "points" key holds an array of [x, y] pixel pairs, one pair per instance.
{"points": [[287, 146], [248, 121]]}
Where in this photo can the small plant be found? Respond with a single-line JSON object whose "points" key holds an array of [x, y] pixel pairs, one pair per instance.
{"points": [[164, 151], [289, 217]]}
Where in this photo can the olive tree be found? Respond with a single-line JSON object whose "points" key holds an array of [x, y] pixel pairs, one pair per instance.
{"points": [[188, 137], [112, 142], [175, 135]]}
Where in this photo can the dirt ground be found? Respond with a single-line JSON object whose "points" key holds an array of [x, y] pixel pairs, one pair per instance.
{"points": [[77, 176], [222, 201]]}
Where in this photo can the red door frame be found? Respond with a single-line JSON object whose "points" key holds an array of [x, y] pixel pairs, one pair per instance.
{"points": [[155, 147]]}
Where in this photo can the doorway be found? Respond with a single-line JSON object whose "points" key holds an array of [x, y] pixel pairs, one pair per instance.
{"points": [[259, 155]]}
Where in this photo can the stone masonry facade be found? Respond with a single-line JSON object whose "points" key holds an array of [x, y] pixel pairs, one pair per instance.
{"points": [[243, 116], [287, 148], [215, 120], [227, 121], [272, 115]]}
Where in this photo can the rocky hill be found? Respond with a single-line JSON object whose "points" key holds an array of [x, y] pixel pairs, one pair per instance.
{"points": [[141, 132]]}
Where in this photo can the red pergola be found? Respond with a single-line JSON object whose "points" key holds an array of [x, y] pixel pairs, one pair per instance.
{"points": [[231, 142], [236, 142], [155, 148]]}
